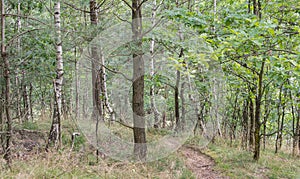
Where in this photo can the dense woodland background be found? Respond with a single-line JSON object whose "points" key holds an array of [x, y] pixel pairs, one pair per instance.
{"points": [[256, 43]]}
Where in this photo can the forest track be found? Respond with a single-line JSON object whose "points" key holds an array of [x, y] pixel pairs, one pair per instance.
{"points": [[200, 164]]}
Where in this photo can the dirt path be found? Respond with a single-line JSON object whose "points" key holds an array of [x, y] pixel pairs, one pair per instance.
{"points": [[200, 164]]}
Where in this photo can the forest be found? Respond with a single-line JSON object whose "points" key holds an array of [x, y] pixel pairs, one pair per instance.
{"points": [[150, 89]]}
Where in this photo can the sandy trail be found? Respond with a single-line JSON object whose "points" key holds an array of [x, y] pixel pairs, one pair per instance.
{"points": [[200, 164]]}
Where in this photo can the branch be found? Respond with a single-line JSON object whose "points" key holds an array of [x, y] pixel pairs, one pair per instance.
{"points": [[286, 51], [101, 4], [269, 134], [17, 36], [243, 78], [76, 8], [151, 27], [117, 72], [245, 66], [142, 3], [128, 4], [124, 20], [28, 17], [123, 124]]}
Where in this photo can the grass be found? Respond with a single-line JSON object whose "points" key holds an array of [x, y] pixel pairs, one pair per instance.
{"points": [[84, 165], [237, 163], [82, 161]]}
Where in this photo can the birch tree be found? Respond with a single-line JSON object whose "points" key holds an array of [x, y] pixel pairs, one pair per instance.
{"points": [[6, 76], [55, 131]]}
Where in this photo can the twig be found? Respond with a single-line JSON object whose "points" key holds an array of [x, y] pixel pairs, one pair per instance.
{"points": [[76, 8], [123, 124], [128, 4]]}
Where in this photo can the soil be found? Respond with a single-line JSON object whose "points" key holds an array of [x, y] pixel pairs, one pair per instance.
{"points": [[200, 164]]}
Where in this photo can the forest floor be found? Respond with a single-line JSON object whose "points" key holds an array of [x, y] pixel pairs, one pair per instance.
{"points": [[215, 161], [201, 164]]}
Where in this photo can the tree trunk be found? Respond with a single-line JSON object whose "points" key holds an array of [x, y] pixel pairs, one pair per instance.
{"points": [[7, 154], [182, 123], [76, 86], [95, 62], [258, 100], [176, 98], [251, 124], [17, 71], [282, 120], [152, 96], [245, 124], [140, 145], [280, 105], [55, 131]]}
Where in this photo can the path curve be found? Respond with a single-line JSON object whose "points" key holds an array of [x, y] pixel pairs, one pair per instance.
{"points": [[200, 164]]}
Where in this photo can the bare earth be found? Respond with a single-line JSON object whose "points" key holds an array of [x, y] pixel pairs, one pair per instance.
{"points": [[200, 164]]}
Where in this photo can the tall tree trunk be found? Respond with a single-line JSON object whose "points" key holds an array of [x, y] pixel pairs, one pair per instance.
{"points": [[245, 124], [282, 120], [298, 123], [280, 105], [26, 112], [6, 75], [251, 123], [152, 96], [76, 86], [140, 146], [254, 7], [258, 100], [266, 116], [55, 131], [95, 61], [182, 123], [18, 106], [295, 125]]}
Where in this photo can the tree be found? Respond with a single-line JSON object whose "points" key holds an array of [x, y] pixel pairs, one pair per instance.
{"points": [[139, 134], [55, 131], [6, 75]]}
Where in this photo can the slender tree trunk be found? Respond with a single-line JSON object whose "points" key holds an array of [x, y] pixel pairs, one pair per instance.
{"points": [[17, 71], [30, 102], [95, 62], [259, 14], [176, 98], [76, 86], [251, 124], [258, 100], [2, 106], [6, 75], [182, 123], [298, 123], [26, 112], [266, 116], [280, 105], [296, 126], [140, 146], [152, 96], [254, 7], [104, 93], [245, 124], [282, 120], [55, 131]]}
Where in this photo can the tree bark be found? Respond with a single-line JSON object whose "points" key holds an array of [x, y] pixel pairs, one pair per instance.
{"points": [[95, 63], [258, 100], [55, 131], [279, 130], [251, 123], [140, 145], [7, 154], [152, 89]]}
